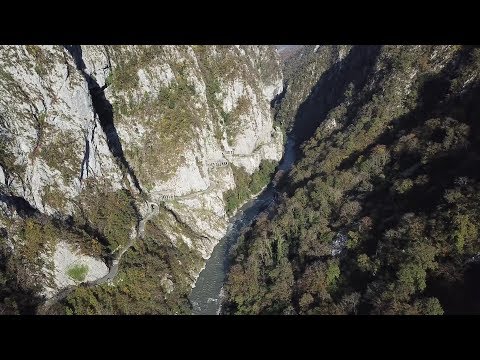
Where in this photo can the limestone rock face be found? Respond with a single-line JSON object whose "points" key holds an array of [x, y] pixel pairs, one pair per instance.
{"points": [[66, 260], [182, 108], [51, 138], [149, 120]]}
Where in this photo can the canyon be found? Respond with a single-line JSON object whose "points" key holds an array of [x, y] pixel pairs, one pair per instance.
{"points": [[95, 137], [289, 179]]}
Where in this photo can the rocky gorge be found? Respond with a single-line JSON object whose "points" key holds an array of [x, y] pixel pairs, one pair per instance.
{"points": [[94, 138]]}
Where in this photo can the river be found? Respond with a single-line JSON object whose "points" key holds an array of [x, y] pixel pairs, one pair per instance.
{"points": [[206, 296]]}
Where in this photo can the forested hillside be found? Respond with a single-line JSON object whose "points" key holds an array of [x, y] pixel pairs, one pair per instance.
{"points": [[380, 213]]}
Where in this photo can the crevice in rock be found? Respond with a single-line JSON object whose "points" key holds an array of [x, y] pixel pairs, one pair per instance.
{"points": [[171, 212], [108, 56], [184, 225], [104, 110], [67, 65], [86, 158], [277, 99], [40, 134], [21, 206]]}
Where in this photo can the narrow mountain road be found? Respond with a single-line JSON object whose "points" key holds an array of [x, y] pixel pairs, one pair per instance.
{"points": [[257, 149], [213, 183], [112, 273], [193, 194], [114, 268], [206, 296]]}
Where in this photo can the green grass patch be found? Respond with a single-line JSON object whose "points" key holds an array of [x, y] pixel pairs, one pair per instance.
{"points": [[78, 272]]}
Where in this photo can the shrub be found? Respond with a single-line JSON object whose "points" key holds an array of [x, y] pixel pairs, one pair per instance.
{"points": [[246, 186]]}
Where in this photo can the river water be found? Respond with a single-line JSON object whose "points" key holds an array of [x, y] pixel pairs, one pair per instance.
{"points": [[206, 296]]}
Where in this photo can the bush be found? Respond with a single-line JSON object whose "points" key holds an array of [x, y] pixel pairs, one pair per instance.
{"points": [[246, 186], [113, 216]]}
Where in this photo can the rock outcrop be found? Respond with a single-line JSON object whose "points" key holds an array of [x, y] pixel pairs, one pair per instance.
{"points": [[136, 123], [70, 268]]}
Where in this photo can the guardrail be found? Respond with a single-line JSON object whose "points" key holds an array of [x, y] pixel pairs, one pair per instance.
{"points": [[166, 196], [218, 163]]}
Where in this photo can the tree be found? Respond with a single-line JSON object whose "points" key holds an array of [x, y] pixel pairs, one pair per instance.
{"points": [[363, 262], [429, 306], [465, 231], [350, 210]]}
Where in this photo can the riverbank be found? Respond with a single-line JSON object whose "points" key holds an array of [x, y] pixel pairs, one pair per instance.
{"points": [[206, 294]]}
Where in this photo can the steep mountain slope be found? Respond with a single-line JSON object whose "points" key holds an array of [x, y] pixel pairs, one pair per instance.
{"points": [[96, 140], [380, 213], [288, 51], [302, 72]]}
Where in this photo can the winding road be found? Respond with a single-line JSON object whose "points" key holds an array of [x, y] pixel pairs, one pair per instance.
{"points": [[213, 183], [113, 271], [140, 235]]}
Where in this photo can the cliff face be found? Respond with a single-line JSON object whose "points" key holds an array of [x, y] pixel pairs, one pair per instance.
{"points": [[302, 71], [51, 137], [92, 136]]}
